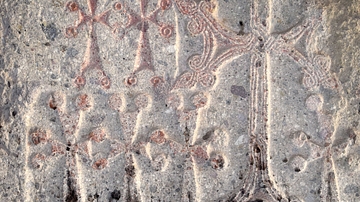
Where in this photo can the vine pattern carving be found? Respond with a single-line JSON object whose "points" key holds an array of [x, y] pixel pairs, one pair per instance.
{"points": [[219, 46]]}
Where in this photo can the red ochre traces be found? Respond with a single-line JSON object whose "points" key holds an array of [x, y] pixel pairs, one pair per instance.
{"points": [[83, 102], [141, 22], [98, 135], [158, 137], [92, 59], [69, 120], [39, 136], [100, 164]]}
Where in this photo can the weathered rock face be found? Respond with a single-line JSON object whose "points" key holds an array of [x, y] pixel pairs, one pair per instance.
{"points": [[179, 100]]}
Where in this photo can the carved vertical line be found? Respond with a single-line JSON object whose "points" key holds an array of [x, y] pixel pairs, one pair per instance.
{"points": [[269, 109], [269, 22], [250, 181], [27, 173], [177, 44]]}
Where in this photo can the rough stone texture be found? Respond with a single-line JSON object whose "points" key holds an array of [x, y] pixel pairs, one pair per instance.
{"points": [[179, 100]]}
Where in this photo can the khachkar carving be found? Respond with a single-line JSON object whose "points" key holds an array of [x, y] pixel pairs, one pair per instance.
{"points": [[259, 43], [69, 145], [314, 150], [196, 151], [142, 21], [219, 47], [132, 146], [92, 59], [158, 146]]}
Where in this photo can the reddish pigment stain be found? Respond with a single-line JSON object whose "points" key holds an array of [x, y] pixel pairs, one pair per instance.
{"points": [[100, 164]]}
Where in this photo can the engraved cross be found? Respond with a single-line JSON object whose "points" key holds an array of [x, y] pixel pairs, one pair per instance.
{"points": [[91, 59], [143, 58]]}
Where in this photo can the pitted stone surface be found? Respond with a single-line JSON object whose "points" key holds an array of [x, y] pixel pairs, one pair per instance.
{"points": [[179, 100]]}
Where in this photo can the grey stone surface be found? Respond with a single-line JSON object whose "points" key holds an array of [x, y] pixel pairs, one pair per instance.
{"points": [[179, 100]]}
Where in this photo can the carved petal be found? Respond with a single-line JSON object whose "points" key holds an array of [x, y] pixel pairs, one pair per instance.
{"points": [[310, 81], [206, 79], [186, 80]]}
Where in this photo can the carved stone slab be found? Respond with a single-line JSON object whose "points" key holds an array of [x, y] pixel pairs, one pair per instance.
{"points": [[179, 100]]}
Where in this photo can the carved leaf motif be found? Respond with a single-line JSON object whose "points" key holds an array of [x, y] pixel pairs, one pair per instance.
{"points": [[166, 31], [310, 81], [196, 26], [206, 6], [206, 79], [322, 63], [187, 80], [186, 6], [330, 82], [195, 63]]}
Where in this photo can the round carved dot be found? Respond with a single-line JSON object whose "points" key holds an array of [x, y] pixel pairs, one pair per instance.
{"points": [[217, 162], [118, 6], [72, 6], [71, 32], [97, 135], [105, 82], [165, 4], [80, 81], [100, 164], [156, 80], [82, 101], [39, 136], [166, 31], [131, 80], [158, 137]]}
